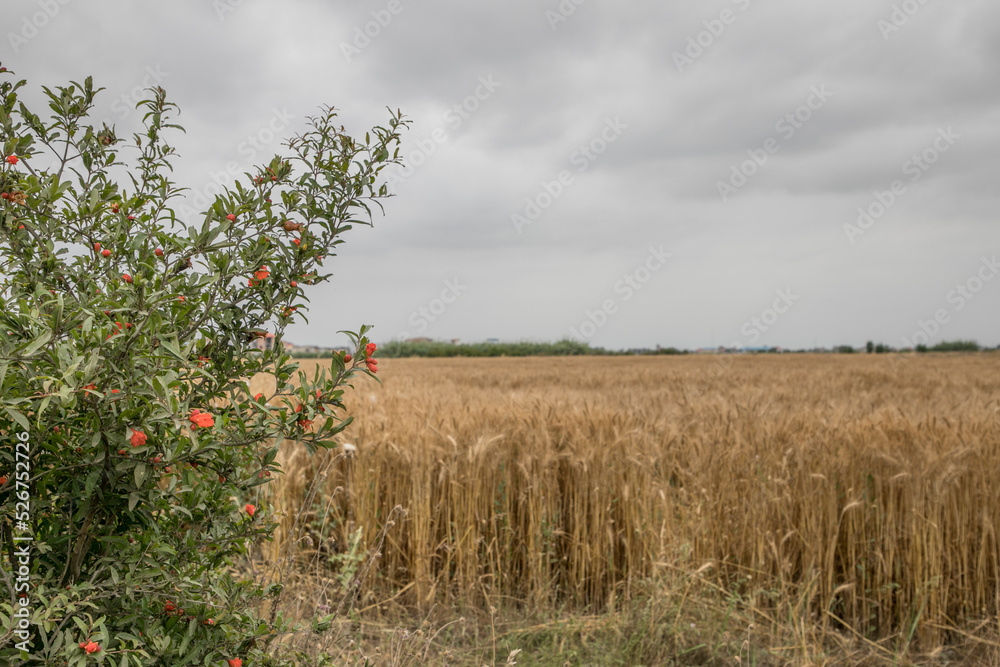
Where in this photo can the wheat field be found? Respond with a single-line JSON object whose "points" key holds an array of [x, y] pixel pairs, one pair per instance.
{"points": [[852, 492]]}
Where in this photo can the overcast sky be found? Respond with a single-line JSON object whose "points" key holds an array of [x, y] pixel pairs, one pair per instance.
{"points": [[630, 173]]}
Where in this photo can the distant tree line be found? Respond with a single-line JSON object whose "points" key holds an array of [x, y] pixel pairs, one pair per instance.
{"points": [[562, 348], [952, 346], [568, 348], [944, 346]]}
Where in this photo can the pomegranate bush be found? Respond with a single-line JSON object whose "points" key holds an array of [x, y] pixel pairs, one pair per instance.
{"points": [[127, 336]]}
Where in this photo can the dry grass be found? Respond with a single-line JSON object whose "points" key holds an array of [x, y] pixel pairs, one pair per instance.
{"points": [[823, 493]]}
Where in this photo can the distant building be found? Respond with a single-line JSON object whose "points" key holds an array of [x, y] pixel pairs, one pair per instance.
{"points": [[267, 342]]}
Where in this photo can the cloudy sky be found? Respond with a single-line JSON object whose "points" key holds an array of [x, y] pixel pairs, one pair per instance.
{"points": [[632, 173]]}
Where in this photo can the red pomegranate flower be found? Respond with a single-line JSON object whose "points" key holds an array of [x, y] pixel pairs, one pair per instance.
{"points": [[12, 159], [92, 647], [201, 419], [250, 509], [370, 349], [138, 438], [235, 662], [262, 273]]}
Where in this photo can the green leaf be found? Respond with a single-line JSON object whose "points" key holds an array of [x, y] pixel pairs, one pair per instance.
{"points": [[18, 417], [36, 344], [170, 347], [140, 474], [270, 455], [92, 479], [192, 626]]}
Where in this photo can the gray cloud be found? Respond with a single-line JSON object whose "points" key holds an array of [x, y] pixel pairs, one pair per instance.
{"points": [[656, 183]]}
